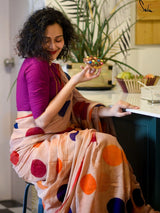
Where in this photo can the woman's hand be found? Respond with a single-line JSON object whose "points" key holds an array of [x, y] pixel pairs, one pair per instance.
{"points": [[88, 73], [117, 110]]}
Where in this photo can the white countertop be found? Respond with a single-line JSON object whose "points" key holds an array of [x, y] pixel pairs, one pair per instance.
{"points": [[110, 97]]}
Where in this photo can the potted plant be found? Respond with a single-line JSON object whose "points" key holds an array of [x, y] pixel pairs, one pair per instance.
{"points": [[95, 35], [95, 32]]}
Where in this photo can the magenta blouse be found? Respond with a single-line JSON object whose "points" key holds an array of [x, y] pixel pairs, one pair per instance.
{"points": [[37, 84]]}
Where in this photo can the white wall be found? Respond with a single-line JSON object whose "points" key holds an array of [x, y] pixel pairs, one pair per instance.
{"points": [[13, 13], [19, 11], [146, 59], [5, 169]]}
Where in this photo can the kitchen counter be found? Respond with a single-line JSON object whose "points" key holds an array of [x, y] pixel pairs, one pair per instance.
{"points": [[139, 135], [110, 97]]}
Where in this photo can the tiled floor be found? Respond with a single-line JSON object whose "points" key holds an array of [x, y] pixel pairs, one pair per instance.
{"points": [[11, 206]]}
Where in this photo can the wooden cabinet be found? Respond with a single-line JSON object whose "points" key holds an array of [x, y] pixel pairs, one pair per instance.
{"points": [[139, 136], [147, 29]]}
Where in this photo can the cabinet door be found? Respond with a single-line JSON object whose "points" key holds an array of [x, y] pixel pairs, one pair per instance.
{"points": [[140, 138], [147, 29]]}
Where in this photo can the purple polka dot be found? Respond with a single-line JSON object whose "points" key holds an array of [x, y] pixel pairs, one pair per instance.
{"points": [[34, 131], [16, 125], [73, 135], [61, 192], [138, 200], [64, 108], [38, 168], [116, 205]]}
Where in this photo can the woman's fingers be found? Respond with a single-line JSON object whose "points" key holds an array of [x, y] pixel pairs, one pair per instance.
{"points": [[126, 105], [119, 109], [87, 73], [90, 72]]}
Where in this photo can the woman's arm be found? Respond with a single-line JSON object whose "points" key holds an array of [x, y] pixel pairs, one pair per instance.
{"points": [[58, 101], [117, 110]]}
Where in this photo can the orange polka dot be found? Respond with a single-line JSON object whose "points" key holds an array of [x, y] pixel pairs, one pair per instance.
{"points": [[40, 185], [43, 205], [112, 155], [37, 144], [124, 157], [59, 165], [88, 184]]}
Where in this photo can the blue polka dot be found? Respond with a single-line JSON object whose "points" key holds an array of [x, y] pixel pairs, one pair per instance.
{"points": [[98, 105], [73, 136], [138, 200], [64, 108], [61, 192], [16, 125], [70, 211], [116, 205], [129, 206]]}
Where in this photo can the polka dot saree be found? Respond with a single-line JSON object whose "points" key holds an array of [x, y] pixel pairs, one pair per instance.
{"points": [[76, 168]]}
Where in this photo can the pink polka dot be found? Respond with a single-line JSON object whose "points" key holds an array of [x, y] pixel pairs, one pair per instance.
{"points": [[34, 131], [93, 139], [14, 157], [38, 168]]}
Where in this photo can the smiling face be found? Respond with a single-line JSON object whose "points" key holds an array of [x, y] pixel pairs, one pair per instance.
{"points": [[54, 41]]}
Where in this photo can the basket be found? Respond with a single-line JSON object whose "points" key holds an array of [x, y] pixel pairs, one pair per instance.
{"points": [[132, 85]]}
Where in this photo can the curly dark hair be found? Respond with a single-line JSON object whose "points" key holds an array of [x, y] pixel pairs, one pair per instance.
{"points": [[31, 37]]}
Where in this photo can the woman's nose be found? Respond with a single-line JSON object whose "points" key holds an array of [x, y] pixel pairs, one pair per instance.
{"points": [[52, 45]]}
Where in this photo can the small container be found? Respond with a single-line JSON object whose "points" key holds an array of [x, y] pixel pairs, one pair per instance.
{"points": [[151, 93]]}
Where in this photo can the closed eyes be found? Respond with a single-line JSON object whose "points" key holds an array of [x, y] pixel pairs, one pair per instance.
{"points": [[57, 39]]}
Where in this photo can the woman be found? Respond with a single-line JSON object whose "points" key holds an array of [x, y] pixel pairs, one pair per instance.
{"points": [[57, 142]]}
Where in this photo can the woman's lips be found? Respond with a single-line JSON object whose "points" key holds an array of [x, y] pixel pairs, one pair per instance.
{"points": [[53, 52]]}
